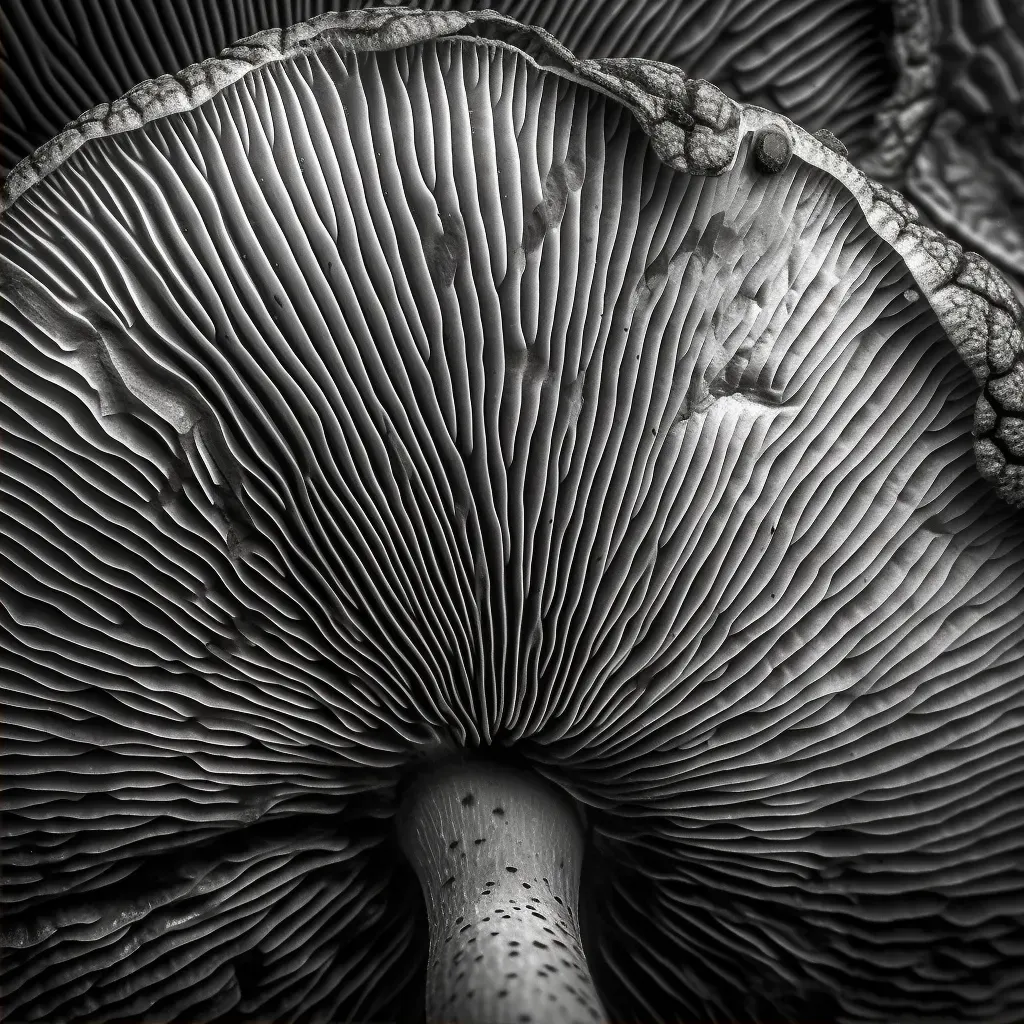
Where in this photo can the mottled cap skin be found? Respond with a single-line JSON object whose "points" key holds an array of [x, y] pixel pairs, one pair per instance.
{"points": [[61, 59], [380, 391]]}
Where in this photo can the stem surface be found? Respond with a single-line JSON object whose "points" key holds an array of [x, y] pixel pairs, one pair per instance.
{"points": [[498, 852]]}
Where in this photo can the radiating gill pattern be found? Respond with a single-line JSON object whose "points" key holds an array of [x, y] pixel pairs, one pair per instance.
{"points": [[748, 934], [824, 65], [159, 920], [392, 403]]}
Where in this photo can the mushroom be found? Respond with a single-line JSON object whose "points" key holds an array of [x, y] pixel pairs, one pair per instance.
{"points": [[410, 441], [823, 63]]}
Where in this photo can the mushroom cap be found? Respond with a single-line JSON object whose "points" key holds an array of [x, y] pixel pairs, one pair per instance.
{"points": [[377, 391], [74, 55]]}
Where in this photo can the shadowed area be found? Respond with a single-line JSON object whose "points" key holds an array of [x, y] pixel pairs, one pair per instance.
{"points": [[393, 403], [951, 136]]}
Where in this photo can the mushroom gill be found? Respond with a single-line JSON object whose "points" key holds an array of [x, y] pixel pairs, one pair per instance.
{"points": [[824, 63], [386, 408]]}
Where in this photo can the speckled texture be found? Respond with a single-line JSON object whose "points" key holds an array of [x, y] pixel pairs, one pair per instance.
{"points": [[498, 853]]}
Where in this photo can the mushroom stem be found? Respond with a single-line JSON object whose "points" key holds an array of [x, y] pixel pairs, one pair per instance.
{"points": [[498, 852]]}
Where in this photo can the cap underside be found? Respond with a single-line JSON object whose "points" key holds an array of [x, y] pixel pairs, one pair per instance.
{"points": [[394, 402]]}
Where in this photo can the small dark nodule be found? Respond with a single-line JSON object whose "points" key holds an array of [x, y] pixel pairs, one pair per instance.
{"points": [[772, 150], [467, 800]]}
